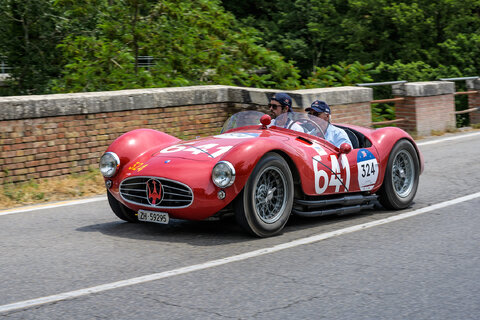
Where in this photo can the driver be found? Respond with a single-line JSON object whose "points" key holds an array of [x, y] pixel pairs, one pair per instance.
{"points": [[334, 135], [281, 103]]}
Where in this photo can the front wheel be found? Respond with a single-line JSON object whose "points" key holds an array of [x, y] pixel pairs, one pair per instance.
{"points": [[401, 177], [121, 210], [264, 205]]}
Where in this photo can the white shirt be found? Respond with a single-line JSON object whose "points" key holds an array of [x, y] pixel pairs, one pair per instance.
{"points": [[337, 136]]}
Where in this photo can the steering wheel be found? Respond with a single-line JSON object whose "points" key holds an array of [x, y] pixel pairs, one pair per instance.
{"points": [[311, 127]]}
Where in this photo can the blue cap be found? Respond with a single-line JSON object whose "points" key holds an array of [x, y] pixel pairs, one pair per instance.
{"points": [[319, 106], [284, 99]]}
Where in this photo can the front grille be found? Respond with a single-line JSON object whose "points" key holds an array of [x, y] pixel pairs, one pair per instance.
{"points": [[173, 194]]}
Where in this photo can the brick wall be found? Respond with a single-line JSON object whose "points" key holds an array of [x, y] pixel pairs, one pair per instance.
{"points": [[427, 106], [426, 114], [355, 113], [54, 146], [474, 100], [54, 135]]}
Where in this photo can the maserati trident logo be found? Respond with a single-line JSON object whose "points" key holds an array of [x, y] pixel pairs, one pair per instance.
{"points": [[154, 192]]}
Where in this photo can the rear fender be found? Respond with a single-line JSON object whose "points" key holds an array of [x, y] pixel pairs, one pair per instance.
{"points": [[384, 139]]}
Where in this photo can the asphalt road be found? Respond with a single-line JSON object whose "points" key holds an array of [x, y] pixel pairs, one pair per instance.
{"points": [[425, 265]]}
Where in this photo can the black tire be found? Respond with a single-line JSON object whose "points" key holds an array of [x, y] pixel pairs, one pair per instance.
{"points": [[401, 177], [265, 203], [121, 210]]}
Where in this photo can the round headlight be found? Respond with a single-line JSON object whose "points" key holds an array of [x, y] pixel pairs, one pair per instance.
{"points": [[109, 163], [223, 174]]}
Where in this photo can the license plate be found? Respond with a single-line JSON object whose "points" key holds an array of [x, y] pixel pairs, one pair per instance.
{"points": [[152, 216]]}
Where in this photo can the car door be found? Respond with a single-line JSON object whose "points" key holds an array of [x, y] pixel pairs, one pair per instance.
{"points": [[328, 171]]}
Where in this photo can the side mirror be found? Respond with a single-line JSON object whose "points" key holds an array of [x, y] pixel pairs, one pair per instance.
{"points": [[265, 120], [345, 148]]}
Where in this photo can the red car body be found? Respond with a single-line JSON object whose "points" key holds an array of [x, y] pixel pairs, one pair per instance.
{"points": [[319, 169]]}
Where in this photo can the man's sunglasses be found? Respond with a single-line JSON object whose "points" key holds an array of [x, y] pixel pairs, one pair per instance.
{"points": [[274, 106], [313, 113]]}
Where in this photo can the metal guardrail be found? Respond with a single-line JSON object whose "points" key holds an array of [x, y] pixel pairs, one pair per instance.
{"points": [[145, 61], [458, 79], [466, 92], [380, 123], [388, 100], [374, 84], [467, 110], [387, 83], [458, 93], [4, 67]]}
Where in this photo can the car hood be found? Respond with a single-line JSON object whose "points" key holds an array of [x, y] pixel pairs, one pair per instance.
{"points": [[210, 149], [189, 156]]}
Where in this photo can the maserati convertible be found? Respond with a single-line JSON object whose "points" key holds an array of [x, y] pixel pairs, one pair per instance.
{"points": [[260, 171]]}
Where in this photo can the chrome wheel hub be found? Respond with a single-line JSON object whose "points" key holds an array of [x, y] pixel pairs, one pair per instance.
{"points": [[270, 195], [403, 174]]}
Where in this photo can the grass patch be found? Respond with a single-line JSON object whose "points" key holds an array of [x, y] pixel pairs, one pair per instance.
{"points": [[51, 189]]}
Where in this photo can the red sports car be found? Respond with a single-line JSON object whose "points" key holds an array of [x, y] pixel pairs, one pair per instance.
{"points": [[261, 172]]}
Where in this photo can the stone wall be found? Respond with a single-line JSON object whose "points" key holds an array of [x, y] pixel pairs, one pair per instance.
{"points": [[474, 100], [54, 135]]}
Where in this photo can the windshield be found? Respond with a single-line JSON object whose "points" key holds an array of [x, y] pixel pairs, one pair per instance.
{"points": [[242, 119], [302, 122], [312, 125]]}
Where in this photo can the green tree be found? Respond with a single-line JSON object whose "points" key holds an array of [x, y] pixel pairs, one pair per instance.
{"points": [[192, 42], [321, 33], [341, 74], [29, 37]]}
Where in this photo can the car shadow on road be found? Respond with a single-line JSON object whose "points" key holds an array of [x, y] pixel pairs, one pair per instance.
{"points": [[221, 232], [203, 233]]}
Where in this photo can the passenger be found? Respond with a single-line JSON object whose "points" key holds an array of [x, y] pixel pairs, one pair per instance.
{"points": [[281, 103], [333, 134]]}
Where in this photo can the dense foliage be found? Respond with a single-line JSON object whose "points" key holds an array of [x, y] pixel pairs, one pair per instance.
{"points": [[440, 37], [29, 37], [91, 45]]}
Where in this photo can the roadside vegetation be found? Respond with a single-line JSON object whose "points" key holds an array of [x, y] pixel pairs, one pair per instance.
{"points": [[53, 189]]}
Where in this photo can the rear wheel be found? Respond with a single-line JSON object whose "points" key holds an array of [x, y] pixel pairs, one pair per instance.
{"points": [[121, 210], [264, 205], [401, 177]]}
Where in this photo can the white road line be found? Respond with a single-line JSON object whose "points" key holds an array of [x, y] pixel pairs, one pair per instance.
{"points": [[448, 139], [51, 205], [219, 262]]}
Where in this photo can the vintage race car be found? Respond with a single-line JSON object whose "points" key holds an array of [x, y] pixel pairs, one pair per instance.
{"points": [[262, 172]]}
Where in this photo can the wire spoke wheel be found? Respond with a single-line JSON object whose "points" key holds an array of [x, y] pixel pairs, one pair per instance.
{"points": [[270, 195], [403, 174], [265, 203]]}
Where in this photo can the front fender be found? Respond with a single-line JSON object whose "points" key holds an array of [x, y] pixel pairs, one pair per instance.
{"points": [[246, 156], [133, 144]]}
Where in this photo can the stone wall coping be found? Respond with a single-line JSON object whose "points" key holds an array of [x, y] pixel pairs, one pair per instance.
{"points": [[473, 84], [424, 89], [39, 106]]}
